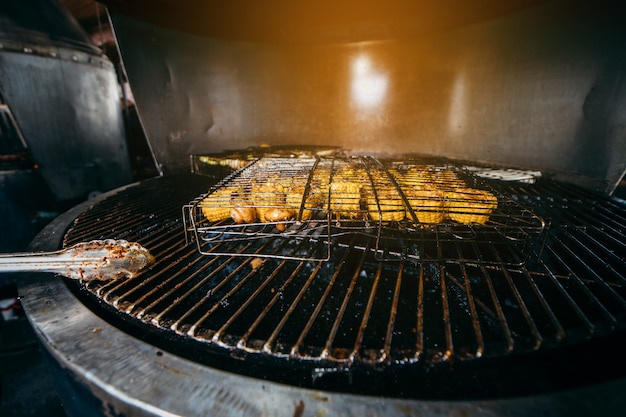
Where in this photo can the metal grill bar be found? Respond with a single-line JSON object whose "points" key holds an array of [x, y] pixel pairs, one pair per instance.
{"points": [[356, 355], [270, 344], [499, 313], [205, 300], [299, 344], [201, 276], [419, 343], [328, 348], [477, 300], [384, 354], [472, 308], [590, 296], [571, 303], [241, 343]]}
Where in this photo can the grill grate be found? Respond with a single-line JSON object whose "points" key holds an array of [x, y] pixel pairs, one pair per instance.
{"points": [[305, 207], [355, 311]]}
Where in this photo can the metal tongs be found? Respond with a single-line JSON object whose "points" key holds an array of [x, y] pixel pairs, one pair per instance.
{"points": [[95, 260]]}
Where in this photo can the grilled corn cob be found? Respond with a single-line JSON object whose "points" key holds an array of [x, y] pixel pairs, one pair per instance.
{"points": [[389, 206], [427, 204], [216, 206], [469, 205]]}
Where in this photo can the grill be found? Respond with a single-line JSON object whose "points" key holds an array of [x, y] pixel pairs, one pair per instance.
{"points": [[327, 284], [320, 324]]}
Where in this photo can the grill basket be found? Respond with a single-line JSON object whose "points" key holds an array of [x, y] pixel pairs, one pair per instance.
{"points": [[301, 208]]}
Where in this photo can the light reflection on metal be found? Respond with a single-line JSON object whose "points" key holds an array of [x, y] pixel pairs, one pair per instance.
{"points": [[369, 86], [458, 105]]}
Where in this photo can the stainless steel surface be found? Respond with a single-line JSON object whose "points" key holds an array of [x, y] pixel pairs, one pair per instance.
{"points": [[323, 21], [110, 366], [537, 88], [97, 259], [62, 92]]}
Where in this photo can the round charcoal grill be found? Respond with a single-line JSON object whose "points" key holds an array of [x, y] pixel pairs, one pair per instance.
{"points": [[410, 329]]}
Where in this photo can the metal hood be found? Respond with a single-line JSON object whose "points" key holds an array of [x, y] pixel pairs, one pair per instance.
{"points": [[535, 84]]}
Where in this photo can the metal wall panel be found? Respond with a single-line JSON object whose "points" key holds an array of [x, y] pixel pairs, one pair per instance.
{"points": [[66, 103], [540, 88]]}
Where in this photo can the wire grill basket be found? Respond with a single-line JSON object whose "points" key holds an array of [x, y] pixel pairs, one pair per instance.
{"points": [[302, 208]]}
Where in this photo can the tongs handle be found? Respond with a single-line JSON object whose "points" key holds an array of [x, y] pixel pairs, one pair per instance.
{"points": [[98, 259], [42, 261]]}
